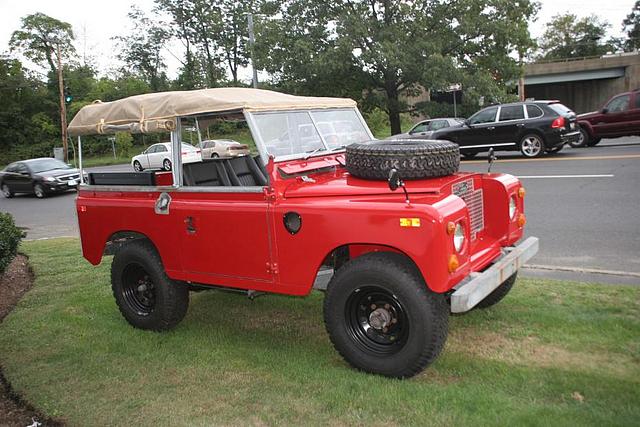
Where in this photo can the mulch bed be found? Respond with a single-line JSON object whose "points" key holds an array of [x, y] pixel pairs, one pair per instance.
{"points": [[14, 411]]}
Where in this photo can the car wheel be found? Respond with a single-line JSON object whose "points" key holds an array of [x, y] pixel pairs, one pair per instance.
{"points": [[137, 166], [583, 139], [531, 145], [145, 295], [499, 293], [382, 318], [38, 190], [166, 165], [214, 156], [6, 191], [593, 142]]}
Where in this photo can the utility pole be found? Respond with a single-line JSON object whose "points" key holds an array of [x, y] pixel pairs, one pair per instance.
{"points": [[252, 43], [63, 108]]}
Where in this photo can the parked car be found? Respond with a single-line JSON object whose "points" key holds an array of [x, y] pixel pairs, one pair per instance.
{"points": [[425, 128], [212, 148], [620, 116], [38, 176], [393, 264], [532, 127], [158, 156]]}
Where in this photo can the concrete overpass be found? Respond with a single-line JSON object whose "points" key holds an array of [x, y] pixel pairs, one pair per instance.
{"points": [[583, 84]]}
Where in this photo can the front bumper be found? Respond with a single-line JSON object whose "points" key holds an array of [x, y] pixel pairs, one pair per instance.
{"points": [[571, 137], [477, 286]]}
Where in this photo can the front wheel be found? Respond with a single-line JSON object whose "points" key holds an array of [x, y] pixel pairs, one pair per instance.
{"points": [[532, 146], [382, 318], [583, 139], [166, 165], [6, 191], [593, 142], [145, 295], [38, 190], [137, 166]]}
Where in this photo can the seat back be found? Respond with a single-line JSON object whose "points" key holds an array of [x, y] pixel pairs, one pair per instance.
{"points": [[208, 173], [243, 171]]}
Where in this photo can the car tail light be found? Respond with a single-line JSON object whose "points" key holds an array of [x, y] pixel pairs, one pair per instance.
{"points": [[558, 123], [184, 153], [197, 151]]}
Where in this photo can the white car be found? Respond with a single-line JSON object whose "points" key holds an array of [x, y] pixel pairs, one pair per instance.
{"points": [[158, 156], [212, 148]]}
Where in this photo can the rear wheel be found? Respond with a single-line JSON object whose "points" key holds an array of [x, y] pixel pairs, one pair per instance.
{"points": [[499, 293], [382, 318], [532, 145], [214, 156], [38, 190], [6, 191], [145, 295], [166, 165], [137, 166]]}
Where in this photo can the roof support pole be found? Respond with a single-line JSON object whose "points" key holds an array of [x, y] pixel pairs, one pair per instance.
{"points": [[176, 154], [80, 159]]}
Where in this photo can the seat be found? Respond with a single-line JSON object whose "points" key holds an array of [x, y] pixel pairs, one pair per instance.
{"points": [[243, 171], [208, 173]]}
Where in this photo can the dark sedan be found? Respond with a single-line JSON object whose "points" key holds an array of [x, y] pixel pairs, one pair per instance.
{"points": [[38, 176], [425, 128], [532, 127]]}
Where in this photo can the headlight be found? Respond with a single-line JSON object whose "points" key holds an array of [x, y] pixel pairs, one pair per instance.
{"points": [[50, 179], [512, 207], [458, 237]]}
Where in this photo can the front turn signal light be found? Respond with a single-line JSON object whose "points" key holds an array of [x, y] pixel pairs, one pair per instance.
{"points": [[451, 227], [521, 192], [453, 263], [522, 220]]}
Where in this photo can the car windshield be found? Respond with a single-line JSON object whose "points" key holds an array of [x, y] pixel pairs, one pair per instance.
{"points": [[304, 132], [560, 108], [43, 165]]}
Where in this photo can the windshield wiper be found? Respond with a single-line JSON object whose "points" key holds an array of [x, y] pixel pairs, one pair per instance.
{"points": [[312, 152]]}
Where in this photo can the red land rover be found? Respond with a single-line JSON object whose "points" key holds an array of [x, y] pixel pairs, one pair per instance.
{"points": [[393, 234]]}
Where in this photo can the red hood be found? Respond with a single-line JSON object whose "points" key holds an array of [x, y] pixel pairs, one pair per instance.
{"points": [[341, 183], [586, 116]]}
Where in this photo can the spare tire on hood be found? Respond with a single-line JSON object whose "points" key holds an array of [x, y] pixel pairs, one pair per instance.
{"points": [[412, 158]]}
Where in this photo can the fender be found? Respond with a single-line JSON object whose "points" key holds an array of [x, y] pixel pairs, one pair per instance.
{"points": [[587, 125]]}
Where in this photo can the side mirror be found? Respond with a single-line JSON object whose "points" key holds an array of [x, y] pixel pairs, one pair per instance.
{"points": [[394, 180], [467, 123], [605, 110]]}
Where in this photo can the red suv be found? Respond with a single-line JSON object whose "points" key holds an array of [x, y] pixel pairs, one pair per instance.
{"points": [[620, 116]]}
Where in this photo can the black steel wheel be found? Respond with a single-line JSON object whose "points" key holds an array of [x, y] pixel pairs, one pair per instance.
{"points": [[382, 318], [145, 295]]}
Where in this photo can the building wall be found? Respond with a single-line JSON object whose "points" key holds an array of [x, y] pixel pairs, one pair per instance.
{"points": [[585, 95]]}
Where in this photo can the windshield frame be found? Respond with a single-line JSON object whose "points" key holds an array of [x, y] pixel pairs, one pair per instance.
{"points": [[261, 145]]}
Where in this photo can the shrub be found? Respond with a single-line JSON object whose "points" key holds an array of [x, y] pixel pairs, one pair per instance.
{"points": [[10, 237]]}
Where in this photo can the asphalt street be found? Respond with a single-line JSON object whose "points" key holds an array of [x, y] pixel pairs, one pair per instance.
{"points": [[583, 204]]}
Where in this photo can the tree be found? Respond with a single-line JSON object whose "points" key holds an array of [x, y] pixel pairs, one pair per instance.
{"points": [[142, 48], [39, 38], [566, 36], [631, 26], [395, 47]]}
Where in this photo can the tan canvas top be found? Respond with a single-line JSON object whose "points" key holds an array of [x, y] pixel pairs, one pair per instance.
{"points": [[156, 112]]}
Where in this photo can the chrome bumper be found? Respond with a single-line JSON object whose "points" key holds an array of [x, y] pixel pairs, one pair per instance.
{"points": [[477, 286]]}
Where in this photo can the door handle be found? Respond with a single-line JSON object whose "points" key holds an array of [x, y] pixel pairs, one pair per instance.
{"points": [[191, 228], [520, 125], [491, 128]]}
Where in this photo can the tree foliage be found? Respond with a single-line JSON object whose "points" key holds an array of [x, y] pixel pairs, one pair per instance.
{"points": [[631, 26], [566, 36]]}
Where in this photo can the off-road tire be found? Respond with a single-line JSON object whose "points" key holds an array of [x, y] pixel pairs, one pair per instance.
{"points": [[498, 293], [421, 320], [171, 299], [593, 142], [39, 191], [6, 191], [412, 159], [583, 140]]}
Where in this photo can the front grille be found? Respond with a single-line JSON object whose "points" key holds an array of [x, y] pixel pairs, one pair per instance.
{"points": [[68, 177], [475, 204]]}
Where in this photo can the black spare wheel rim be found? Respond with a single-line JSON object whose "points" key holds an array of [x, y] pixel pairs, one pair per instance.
{"points": [[138, 290], [376, 321], [412, 158]]}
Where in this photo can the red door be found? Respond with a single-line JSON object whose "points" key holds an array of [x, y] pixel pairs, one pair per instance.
{"points": [[225, 238], [615, 120]]}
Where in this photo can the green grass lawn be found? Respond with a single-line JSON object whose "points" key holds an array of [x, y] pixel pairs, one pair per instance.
{"points": [[552, 353]]}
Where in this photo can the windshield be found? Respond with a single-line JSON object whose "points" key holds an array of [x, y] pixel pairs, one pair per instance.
{"points": [[42, 165], [304, 132]]}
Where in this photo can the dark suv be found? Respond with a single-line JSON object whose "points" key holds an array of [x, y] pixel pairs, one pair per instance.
{"points": [[533, 127], [620, 116]]}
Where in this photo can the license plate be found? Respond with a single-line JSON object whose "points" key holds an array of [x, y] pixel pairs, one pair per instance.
{"points": [[72, 183], [573, 125]]}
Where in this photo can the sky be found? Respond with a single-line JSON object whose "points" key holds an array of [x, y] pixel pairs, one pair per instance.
{"points": [[95, 22]]}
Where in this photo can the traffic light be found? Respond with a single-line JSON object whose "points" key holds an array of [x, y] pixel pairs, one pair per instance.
{"points": [[67, 96]]}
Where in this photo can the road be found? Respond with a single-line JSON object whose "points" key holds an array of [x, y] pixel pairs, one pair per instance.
{"points": [[583, 204]]}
